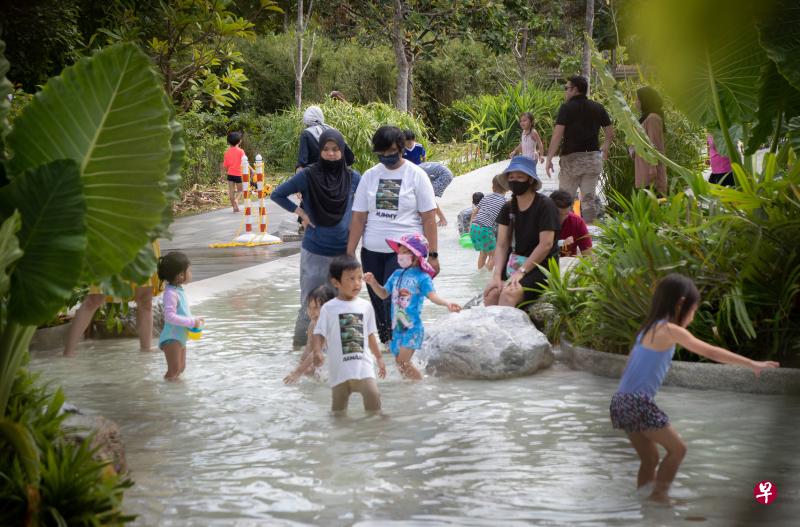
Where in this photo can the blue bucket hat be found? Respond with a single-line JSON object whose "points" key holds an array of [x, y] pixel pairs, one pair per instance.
{"points": [[523, 164]]}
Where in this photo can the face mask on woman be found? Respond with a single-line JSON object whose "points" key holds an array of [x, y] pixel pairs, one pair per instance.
{"points": [[405, 260], [389, 161], [519, 187]]}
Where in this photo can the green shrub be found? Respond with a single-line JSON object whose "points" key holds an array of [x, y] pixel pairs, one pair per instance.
{"points": [[493, 120], [362, 74], [276, 136], [458, 69], [356, 123], [75, 488], [739, 246]]}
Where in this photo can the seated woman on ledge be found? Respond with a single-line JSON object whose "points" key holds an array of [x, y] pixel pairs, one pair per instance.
{"points": [[528, 228]]}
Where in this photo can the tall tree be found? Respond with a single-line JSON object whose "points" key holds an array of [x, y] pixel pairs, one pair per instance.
{"points": [[299, 65], [586, 64]]}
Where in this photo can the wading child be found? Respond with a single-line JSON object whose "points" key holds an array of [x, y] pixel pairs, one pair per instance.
{"points": [[633, 409], [465, 216], [232, 164], [408, 287], [483, 225], [413, 151], [176, 270], [318, 297], [530, 144], [574, 234], [346, 328]]}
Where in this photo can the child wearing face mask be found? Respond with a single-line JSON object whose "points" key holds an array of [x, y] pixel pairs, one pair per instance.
{"points": [[408, 287]]}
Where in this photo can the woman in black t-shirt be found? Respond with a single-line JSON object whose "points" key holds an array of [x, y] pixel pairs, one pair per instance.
{"points": [[527, 232]]}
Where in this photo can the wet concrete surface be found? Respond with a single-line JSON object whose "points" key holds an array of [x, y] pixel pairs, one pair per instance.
{"points": [[193, 235]]}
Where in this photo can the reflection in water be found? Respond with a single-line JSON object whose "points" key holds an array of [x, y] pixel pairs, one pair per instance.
{"points": [[230, 445]]}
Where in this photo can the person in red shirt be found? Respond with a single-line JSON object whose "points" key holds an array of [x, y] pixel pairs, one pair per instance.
{"points": [[232, 164], [573, 229]]}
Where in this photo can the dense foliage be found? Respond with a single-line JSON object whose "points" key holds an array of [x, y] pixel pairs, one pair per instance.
{"points": [[740, 245], [493, 120], [89, 168], [275, 136]]}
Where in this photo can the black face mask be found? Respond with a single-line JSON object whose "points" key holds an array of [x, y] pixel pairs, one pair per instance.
{"points": [[519, 187], [330, 166]]}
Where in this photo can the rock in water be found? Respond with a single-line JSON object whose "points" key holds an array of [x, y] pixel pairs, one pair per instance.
{"points": [[485, 343]]}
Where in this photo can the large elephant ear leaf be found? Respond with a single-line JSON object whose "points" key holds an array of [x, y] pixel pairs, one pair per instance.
{"points": [[107, 113], [53, 239], [778, 31], [706, 53], [9, 249], [173, 179]]}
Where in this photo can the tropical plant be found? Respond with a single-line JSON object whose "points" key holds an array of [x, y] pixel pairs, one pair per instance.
{"points": [[493, 120], [92, 162], [192, 42], [357, 124], [683, 145], [740, 245]]}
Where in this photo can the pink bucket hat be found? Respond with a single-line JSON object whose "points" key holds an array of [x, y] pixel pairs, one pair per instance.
{"points": [[418, 245]]}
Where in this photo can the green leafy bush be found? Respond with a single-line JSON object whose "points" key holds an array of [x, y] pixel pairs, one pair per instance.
{"points": [[89, 168], [75, 488], [362, 74], [493, 120], [731, 242], [276, 136]]}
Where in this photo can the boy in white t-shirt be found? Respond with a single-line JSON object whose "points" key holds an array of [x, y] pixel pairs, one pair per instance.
{"points": [[346, 329]]}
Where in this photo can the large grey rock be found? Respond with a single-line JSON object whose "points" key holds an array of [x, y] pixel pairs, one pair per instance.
{"points": [[104, 435], [485, 343]]}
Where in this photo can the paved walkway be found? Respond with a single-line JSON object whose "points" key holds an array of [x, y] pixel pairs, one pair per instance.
{"points": [[193, 234]]}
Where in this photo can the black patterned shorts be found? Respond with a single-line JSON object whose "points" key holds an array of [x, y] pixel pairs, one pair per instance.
{"points": [[636, 412]]}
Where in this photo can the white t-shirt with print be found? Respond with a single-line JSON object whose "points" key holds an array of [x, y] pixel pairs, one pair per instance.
{"points": [[346, 326], [393, 200]]}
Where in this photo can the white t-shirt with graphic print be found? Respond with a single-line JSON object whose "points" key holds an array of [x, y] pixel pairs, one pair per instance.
{"points": [[393, 200], [346, 326]]}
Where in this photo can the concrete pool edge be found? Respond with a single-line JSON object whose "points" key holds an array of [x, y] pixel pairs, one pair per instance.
{"points": [[695, 375]]}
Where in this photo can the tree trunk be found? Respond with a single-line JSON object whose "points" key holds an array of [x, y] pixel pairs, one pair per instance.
{"points": [[410, 89], [399, 48], [298, 60], [521, 57], [586, 69]]}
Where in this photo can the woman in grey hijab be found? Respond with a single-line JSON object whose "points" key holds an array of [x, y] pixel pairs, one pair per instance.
{"points": [[309, 139]]}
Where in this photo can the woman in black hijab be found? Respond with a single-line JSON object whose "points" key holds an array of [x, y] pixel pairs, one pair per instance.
{"points": [[327, 187]]}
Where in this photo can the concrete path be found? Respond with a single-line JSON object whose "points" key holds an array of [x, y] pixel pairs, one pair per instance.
{"points": [[224, 270], [193, 234]]}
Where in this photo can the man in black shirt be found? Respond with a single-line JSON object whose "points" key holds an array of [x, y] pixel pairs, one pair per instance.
{"points": [[578, 124]]}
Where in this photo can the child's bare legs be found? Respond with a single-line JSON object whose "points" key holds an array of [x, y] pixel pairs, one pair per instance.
{"points": [[648, 456], [172, 352], [481, 259], [368, 388], [340, 396], [183, 359], [490, 261], [233, 194], [91, 303], [676, 451], [144, 317], [407, 369]]}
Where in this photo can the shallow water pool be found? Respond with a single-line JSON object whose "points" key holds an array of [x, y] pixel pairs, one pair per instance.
{"points": [[231, 445]]}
